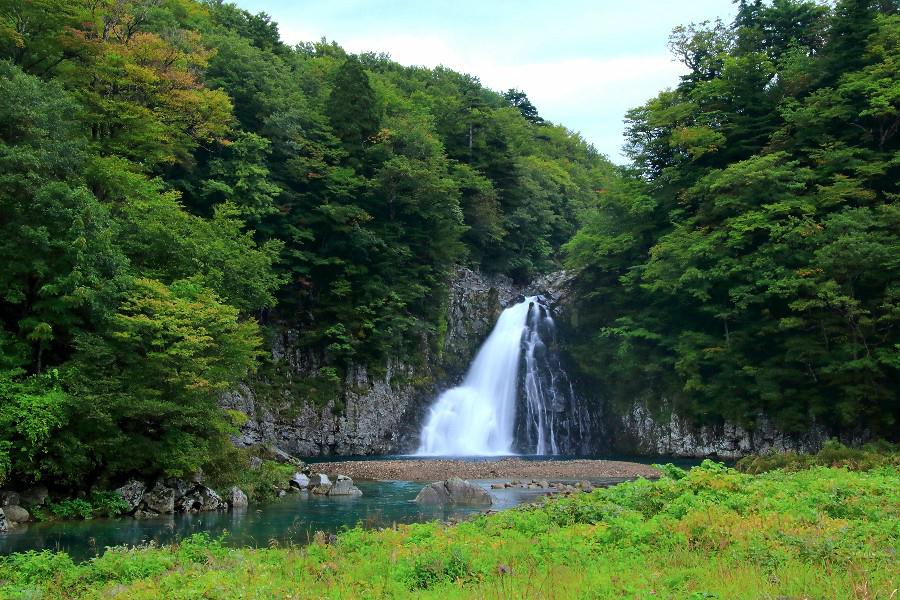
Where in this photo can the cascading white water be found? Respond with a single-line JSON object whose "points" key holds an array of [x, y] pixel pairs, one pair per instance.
{"points": [[540, 393], [477, 418]]}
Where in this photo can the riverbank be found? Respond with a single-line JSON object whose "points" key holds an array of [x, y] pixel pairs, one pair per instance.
{"points": [[427, 469], [710, 533]]}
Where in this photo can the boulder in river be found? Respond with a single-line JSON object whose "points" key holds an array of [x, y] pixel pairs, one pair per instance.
{"points": [[16, 514], [198, 499], [161, 499], [299, 481], [454, 491], [181, 486], [4, 526], [236, 498], [343, 486], [132, 493], [319, 484]]}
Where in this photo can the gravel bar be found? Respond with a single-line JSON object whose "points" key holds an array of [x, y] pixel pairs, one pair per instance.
{"points": [[505, 468]]}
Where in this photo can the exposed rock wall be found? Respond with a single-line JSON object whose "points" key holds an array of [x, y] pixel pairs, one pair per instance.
{"points": [[374, 412], [638, 431], [381, 412]]}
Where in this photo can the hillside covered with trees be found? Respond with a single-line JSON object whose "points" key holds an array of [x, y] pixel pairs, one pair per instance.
{"points": [[748, 262], [174, 177], [175, 181]]}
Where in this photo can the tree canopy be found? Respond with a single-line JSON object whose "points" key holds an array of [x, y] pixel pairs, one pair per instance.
{"points": [[747, 263], [172, 175]]}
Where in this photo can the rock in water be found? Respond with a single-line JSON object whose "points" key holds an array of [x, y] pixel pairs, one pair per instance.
{"points": [[16, 514], [299, 481], [237, 498], [200, 498], [132, 492], [212, 500], [320, 484], [161, 499], [4, 527], [454, 491], [343, 486], [181, 486]]}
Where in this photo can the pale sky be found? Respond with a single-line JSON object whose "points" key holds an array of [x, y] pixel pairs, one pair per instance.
{"points": [[582, 63]]}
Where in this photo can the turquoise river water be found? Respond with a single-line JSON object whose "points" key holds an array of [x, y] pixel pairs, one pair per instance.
{"points": [[293, 519]]}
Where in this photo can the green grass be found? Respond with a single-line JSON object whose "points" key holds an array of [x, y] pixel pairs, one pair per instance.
{"points": [[712, 532]]}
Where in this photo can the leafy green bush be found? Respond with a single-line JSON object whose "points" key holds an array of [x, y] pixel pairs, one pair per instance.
{"points": [[832, 454], [232, 467], [108, 504], [72, 509]]}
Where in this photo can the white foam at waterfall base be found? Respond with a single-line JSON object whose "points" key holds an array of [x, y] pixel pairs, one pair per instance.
{"points": [[477, 418]]}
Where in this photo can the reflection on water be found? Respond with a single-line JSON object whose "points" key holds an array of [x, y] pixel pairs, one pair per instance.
{"points": [[293, 519]]}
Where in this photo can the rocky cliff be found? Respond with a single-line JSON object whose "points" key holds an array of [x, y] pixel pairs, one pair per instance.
{"points": [[370, 411], [634, 429], [640, 431], [380, 411]]}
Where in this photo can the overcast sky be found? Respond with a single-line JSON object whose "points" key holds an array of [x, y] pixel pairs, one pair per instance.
{"points": [[582, 63]]}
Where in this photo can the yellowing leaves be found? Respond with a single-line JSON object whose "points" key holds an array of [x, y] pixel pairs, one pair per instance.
{"points": [[698, 141]]}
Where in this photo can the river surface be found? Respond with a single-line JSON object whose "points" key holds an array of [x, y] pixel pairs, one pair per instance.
{"points": [[293, 519]]}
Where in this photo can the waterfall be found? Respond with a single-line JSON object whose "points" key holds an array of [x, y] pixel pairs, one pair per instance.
{"points": [[477, 418], [515, 396]]}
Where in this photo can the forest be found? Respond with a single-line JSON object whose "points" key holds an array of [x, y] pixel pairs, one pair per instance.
{"points": [[176, 181], [747, 262]]}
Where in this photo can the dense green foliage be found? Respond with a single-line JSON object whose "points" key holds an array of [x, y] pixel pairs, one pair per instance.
{"points": [[708, 533], [171, 172], [749, 262], [832, 454]]}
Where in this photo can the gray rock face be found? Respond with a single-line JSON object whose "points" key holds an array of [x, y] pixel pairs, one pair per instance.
{"points": [[343, 486], [454, 491], [8, 497], [132, 492], [16, 514], [4, 526], [320, 484], [382, 411], [181, 486], [160, 499], [299, 481], [35, 496], [640, 431], [236, 498], [200, 498]]}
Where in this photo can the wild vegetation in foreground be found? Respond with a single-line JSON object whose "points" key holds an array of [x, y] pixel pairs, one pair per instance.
{"points": [[711, 532]]}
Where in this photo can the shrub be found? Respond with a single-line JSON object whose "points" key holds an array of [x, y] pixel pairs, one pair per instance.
{"points": [[108, 504], [833, 454], [72, 509]]}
